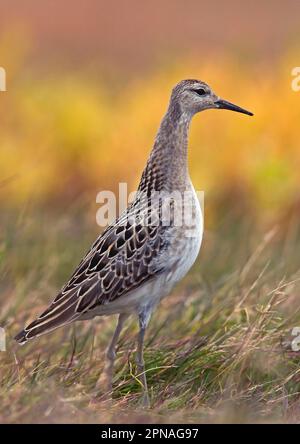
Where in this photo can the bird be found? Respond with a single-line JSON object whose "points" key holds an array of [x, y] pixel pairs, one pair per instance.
{"points": [[137, 260]]}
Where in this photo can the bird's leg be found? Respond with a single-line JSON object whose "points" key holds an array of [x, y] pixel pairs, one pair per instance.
{"points": [[143, 322], [107, 374]]}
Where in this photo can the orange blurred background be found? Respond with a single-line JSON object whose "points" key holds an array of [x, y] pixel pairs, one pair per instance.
{"points": [[88, 82]]}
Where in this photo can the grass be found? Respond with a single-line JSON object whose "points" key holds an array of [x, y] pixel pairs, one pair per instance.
{"points": [[218, 349]]}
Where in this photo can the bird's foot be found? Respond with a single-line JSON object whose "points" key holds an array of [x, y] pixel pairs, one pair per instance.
{"points": [[98, 400], [145, 401], [103, 390], [102, 394]]}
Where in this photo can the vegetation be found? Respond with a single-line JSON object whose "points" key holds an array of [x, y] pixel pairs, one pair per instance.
{"points": [[219, 348]]}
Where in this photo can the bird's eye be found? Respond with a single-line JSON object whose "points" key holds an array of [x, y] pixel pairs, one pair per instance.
{"points": [[200, 91]]}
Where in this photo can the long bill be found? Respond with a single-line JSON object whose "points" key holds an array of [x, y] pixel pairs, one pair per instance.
{"points": [[223, 104]]}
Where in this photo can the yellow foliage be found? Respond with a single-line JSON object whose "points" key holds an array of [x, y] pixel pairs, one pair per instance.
{"points": [[66, 133]]}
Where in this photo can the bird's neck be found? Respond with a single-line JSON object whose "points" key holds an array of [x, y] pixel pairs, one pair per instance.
{"points": [[167, 166]]}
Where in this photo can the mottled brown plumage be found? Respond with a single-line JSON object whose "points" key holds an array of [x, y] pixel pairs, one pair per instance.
{"points": [[137, 260]]}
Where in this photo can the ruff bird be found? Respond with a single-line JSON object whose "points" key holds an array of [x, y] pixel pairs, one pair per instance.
{"points": [[139, 258]]}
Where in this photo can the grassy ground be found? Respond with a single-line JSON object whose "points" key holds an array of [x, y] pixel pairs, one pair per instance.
{"points": [[218, 349]]}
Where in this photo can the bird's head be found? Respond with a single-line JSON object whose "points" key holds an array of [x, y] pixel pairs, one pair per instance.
{"points": [[193, 96]]}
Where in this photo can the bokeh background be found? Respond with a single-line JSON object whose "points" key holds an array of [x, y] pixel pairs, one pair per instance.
{"points": [[87, 84]]}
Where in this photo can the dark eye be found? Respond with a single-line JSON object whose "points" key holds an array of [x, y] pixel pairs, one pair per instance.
{"points": [[200, 91]]}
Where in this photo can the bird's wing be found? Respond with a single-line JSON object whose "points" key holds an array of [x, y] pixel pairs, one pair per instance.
{"points": [[125, 256]]}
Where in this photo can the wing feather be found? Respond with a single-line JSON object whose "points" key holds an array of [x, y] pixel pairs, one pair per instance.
{"points": [[124, 257]]}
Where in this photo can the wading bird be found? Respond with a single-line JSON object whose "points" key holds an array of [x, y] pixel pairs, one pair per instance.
{"points": [[138, 259]]}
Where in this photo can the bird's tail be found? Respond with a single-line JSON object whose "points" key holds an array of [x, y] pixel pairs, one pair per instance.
{"points": [[39, 328], [61, 312], [21, 337]]}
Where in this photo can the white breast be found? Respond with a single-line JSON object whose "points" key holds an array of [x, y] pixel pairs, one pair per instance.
{"points": [[181, 255], [189, 244]]}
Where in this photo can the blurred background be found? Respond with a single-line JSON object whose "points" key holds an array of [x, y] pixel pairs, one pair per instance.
{"points": [[87, 85], [88, 82]]}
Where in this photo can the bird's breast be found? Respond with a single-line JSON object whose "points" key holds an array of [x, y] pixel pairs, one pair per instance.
{"points": [[186, 239]]}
